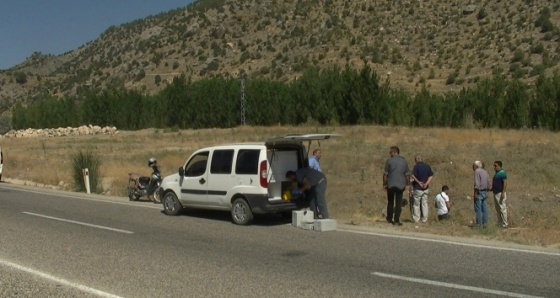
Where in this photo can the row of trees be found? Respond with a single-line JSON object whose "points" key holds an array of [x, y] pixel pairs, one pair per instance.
{"points": [[334, 96]]}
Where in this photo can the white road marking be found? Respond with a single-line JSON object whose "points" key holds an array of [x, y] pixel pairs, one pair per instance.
{"points": [[79, 223], [59, 280], [152, 206], [454, 286], [342, 230], [455, 243]]}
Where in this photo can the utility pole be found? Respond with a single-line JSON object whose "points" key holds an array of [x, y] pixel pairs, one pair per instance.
{"points": [[243, 100]]}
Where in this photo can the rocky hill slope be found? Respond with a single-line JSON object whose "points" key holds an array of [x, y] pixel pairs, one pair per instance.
{"points": [[445, 45]]}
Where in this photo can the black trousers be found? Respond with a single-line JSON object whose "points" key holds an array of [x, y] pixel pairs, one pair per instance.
{"points": [[394, 204]]}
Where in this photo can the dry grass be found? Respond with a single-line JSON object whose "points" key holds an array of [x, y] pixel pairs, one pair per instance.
{"points": [[353, 164]]}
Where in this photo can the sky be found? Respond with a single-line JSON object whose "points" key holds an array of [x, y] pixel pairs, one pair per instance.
{"points": [[58, 26]]}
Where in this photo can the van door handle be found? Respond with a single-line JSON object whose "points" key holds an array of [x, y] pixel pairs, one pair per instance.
{"points": [[202, 181]]}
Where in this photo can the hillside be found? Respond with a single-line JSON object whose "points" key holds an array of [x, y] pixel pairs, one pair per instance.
{"points": [[444, 45]]}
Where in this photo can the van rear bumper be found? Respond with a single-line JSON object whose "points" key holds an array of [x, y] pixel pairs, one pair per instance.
{"points": [[260, 205]]}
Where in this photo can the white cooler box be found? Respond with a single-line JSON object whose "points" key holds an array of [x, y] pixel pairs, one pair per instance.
{"points": [[303, 219], [323, 225]]}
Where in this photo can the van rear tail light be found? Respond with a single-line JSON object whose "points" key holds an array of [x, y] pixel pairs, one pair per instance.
{"points": [[263, 175]]}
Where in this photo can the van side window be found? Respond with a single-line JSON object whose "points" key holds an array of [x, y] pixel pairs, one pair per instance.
{"points": [[247, 162], [197, 165], [221, 162]]}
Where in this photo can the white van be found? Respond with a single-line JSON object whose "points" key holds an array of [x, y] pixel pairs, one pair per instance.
{"points": [[246, 178]]}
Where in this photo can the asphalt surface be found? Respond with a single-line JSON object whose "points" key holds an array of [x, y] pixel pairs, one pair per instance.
{"points": [[61, 244]]}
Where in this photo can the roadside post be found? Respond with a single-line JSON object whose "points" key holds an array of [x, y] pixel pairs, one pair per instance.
{"points": [[86, 179]]}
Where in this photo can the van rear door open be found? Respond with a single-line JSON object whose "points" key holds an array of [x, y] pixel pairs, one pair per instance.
{"points": [[301, 138], [285, 159]]}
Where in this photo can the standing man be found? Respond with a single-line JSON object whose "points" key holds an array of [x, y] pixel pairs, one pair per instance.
{"points": [[315, 183], [422, 176], [499, 185], [314, 160], [481, 186], [396, 177]]}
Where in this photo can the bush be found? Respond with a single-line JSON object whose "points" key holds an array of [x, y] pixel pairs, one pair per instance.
{"points": [[21, 78], [5, 124], [451, 79], [481, 14], [82, 160]]}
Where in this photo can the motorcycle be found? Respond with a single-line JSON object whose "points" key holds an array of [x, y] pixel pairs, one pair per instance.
{"points": [[143, 186]]}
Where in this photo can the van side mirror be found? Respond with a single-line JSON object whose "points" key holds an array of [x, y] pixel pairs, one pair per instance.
{"points": [[181, 171]]}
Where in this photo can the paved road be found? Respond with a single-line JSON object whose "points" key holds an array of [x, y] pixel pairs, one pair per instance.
{"points": [[61, 244]]}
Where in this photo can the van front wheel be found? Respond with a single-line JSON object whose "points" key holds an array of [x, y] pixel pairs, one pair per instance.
{"points": [[171, 205], [241, 213]]}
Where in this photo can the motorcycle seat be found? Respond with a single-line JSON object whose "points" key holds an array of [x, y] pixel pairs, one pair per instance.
{"points": [[134, 176], [144, 181], [138, 180]]}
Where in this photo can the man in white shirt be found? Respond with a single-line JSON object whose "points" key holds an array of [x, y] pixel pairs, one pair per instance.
{"points": [[442, 204]]}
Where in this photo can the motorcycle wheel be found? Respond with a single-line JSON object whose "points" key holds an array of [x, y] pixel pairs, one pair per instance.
{"points": [[132, 197], [157, 195]]}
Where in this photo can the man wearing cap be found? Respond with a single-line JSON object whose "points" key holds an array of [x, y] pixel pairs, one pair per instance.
{"points": [[481, 187]]}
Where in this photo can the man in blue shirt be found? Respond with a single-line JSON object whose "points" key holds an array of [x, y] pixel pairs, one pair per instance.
{"points": [[314, 160], [422, 177], [499, 185]]}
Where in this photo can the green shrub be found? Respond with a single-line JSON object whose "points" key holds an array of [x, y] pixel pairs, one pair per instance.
{"points": [[451, 79], [86, 160], [21, 78]]}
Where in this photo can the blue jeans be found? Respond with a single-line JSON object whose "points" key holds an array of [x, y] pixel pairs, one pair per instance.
{"points": [[480, 208]]}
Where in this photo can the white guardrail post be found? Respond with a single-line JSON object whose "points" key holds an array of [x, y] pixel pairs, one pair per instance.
{"points": [[86, 179]]}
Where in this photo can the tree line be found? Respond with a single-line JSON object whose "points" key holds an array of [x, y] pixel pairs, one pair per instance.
{"points": [[336, 96]]}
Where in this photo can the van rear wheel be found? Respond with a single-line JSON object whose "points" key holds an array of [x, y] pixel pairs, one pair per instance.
{"points": [[241, 213]]}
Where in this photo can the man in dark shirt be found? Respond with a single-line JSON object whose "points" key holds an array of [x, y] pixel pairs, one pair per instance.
{"points": [[315, 184], [422, 176], [396, 177], [499, 185]]}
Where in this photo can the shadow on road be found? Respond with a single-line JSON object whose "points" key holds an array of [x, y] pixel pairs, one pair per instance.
{"points": [[259, 220]]}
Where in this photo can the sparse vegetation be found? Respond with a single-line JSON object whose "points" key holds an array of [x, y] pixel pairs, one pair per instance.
{"points": [[352, 163], [437, 34]]}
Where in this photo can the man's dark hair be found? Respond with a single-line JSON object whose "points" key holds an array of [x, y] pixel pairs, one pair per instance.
{"points": [[498, 162], [290, 174], [444, 188], [395, 149]]}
